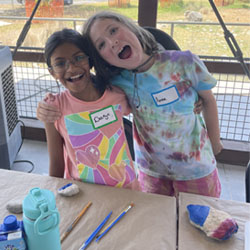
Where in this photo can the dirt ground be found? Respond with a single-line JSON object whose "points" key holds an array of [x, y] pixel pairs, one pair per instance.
{"points": [[230, 15]]}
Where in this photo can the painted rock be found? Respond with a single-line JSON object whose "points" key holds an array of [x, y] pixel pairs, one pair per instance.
{"points": [[214, 223]]}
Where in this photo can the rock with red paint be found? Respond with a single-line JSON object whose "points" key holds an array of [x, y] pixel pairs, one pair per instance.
{"points": [[214, 223]]}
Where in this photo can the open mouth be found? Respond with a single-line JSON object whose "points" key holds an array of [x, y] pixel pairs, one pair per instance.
{"points": [[75, 78], [125, 53]]}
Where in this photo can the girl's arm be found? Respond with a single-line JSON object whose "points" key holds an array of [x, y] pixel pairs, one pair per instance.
{"points": [[210, 114], [55, 148]]}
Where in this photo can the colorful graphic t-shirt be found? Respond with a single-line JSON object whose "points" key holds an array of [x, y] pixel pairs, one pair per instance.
{"points": [[96, 149], [169, 139]]}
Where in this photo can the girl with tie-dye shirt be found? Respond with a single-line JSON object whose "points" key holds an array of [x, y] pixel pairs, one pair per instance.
{"points": [[174, 148]]}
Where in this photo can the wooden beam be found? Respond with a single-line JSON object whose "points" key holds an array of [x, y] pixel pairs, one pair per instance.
{"points": [[147, 12], [29, 56], [225, 67]]}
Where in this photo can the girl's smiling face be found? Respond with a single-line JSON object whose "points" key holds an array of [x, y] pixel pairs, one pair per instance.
{"points": [[117, 44], [70, 66]]}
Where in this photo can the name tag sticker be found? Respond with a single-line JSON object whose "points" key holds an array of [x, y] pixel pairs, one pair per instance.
{"points": [[103, 117], [166, 96]]}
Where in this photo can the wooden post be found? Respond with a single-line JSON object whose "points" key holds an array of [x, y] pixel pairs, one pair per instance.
{"points": [[147, 12]]}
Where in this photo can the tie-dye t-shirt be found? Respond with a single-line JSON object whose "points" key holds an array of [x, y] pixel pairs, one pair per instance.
{"points": [[169, 139], [96, 149]]}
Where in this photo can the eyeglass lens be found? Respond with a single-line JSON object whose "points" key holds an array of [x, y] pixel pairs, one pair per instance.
{"points": [[63, 65]]}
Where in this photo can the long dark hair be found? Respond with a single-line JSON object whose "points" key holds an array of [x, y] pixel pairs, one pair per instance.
{"points": [[103, 69]]}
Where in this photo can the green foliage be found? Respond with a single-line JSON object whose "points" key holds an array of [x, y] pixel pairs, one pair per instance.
{"points": [[163, 12], [87, 10], [196, 5], [239, 4], [176, 6], [131, 12]]}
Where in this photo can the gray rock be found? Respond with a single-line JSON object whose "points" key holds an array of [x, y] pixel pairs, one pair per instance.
{"points": [[193, 16]]}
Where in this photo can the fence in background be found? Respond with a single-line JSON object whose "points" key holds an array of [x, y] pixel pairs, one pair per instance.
{"points": [[80, 21], [232, 91]]}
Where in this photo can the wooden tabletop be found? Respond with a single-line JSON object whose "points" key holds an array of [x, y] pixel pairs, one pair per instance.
{"points": [[150, 224]]}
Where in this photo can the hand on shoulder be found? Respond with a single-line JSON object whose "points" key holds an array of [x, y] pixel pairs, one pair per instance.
{"points": [[47, 112]]}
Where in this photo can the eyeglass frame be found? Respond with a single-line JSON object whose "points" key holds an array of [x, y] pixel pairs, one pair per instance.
{"points": [[73, 61]]}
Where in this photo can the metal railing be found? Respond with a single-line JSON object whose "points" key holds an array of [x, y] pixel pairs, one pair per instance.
{"points": [[232, 91], [172, 24], [168, 26]]}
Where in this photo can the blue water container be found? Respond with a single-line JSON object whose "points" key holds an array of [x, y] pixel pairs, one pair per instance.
{"points": [[41, 220]]}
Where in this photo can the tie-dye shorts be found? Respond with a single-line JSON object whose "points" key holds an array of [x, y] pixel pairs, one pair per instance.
{"points": [[208, 185]]}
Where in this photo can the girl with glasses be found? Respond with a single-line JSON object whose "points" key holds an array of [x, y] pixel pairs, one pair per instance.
{"points": [[88, 142]]}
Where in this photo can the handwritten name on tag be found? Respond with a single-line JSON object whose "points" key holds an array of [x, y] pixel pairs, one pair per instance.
{"points": [[103, 117], [166, 96]]}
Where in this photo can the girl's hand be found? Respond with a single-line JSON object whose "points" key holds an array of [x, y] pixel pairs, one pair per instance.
{"points": [[217, 148], [198, 106], [46, 112]]}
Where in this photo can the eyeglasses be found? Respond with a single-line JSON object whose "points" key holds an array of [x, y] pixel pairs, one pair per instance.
{"points": [[62, 65]]}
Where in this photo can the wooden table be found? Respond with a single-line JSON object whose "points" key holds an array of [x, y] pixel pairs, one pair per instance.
{"points": [[193, 238], [149, 225]]}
